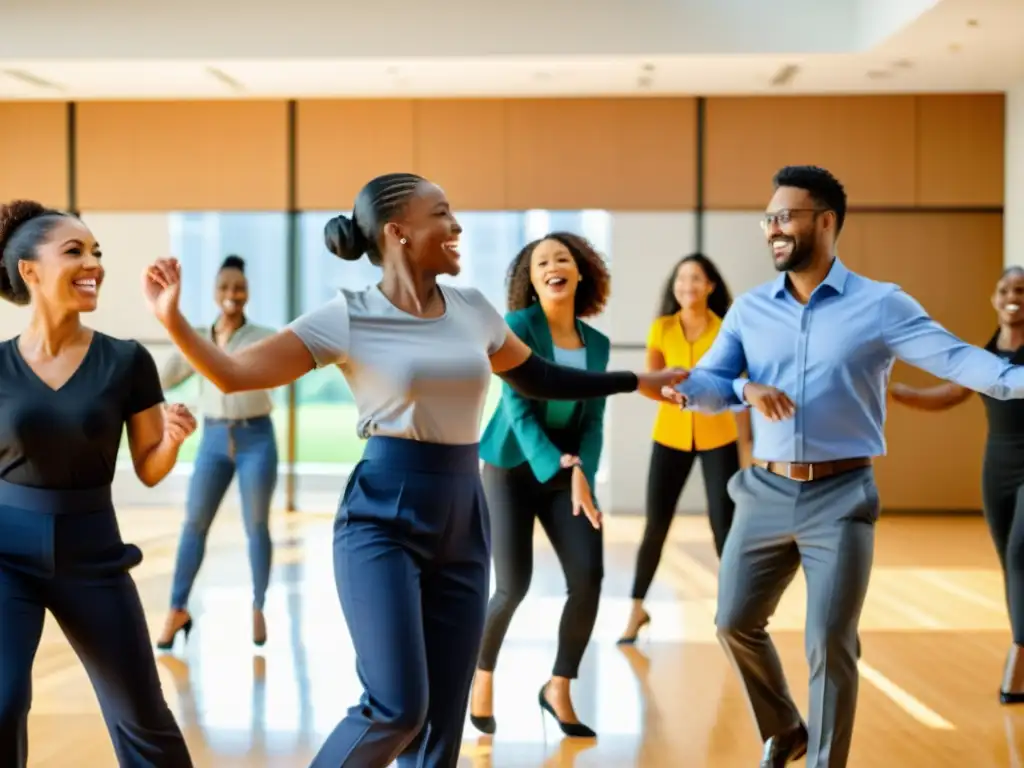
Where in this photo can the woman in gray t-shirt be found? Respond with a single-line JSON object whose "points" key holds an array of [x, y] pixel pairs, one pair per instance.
{"points": [[412, 538]]}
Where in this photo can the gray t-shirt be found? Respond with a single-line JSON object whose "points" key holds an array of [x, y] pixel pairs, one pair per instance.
{"points": [[419, 378]]}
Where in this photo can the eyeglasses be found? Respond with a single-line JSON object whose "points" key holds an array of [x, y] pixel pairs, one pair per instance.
{"points": [[785, 216]]}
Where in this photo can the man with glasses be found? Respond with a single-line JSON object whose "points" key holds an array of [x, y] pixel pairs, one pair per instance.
{"points": [[818, 344]]}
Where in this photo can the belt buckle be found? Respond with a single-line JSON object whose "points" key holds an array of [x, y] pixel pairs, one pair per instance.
{"points": [[800, 479]]}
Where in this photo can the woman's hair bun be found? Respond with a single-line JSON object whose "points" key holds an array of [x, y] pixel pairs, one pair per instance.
{"points": [[233, 262], [345, 239], [16, 213]]}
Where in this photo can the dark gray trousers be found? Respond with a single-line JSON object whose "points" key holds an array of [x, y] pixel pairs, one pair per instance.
{"points": [[828, 527]]}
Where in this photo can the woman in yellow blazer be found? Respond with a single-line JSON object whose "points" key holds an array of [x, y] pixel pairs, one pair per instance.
{"points": [[695, 300]]}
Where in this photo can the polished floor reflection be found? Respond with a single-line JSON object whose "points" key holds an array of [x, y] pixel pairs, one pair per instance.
{"points": [[934, 634]]}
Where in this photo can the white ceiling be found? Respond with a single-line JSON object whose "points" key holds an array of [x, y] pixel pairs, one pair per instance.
{"points": [[955, 45]]}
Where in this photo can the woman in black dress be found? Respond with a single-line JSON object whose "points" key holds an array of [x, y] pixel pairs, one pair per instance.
{"points": [[1002, 478], [66, 394]]}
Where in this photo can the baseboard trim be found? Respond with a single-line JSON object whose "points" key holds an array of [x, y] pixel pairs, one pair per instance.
{"points": [[914, 512], [886, 512]]}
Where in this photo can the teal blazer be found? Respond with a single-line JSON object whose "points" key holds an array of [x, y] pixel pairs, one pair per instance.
{"points": [[516, 434]]}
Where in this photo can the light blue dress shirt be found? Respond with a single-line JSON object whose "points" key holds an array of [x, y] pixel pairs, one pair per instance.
{"points": [[833, 358]]}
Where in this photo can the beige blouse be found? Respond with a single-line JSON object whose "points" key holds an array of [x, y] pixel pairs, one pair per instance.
{"points": [[213, 403]]}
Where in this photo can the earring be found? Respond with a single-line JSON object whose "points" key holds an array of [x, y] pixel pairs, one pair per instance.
{"points": [[403, 241]]}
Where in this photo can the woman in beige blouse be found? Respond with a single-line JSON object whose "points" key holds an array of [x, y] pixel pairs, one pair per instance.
{"points": [[238, 436]]}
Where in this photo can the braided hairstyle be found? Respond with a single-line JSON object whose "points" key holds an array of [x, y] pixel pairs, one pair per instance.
{"points": [[377, 204], [24, 224]]}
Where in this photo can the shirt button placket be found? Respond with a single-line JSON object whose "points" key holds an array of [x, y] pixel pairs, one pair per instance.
{"points": [[801, 376]]}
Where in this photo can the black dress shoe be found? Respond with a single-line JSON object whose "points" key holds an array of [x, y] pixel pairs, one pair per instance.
{"points": [[785, 748]]}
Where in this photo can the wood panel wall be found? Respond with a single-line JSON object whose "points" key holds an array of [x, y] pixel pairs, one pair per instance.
{"points": [[34, 152], [621, 154], [924, 174], [889, 151], [934, 459], [617, 154]]}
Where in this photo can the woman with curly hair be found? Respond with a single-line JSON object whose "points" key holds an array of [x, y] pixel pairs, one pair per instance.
{"points": [[540, 459], [693, 303]]}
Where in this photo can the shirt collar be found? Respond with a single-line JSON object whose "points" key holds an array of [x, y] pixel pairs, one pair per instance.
{"points": [[835, 280]]}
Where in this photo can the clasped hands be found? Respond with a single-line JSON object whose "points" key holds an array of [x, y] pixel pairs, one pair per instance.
{"points": [[772, 403]]}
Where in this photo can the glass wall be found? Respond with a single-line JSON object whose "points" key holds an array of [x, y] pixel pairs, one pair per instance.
{"points": [[326, 440], [200, 240], [326, 419]]}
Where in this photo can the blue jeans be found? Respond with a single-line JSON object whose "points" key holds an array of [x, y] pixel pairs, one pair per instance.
{"points": [[248, 446]]}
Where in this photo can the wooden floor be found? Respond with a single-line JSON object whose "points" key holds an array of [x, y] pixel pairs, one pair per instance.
{"points": [[934, 633]]}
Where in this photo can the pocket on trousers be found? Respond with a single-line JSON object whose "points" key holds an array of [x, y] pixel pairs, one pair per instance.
{"points": [[373, 496], [872, 506], [734, 485], [24, 539]]}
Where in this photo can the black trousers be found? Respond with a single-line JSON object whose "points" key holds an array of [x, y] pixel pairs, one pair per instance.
{"points": [[666, 477], [62, 551], [1002, 483], [515, 498]]}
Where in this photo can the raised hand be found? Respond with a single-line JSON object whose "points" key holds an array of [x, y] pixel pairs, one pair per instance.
{"points": [[179, 423], [161, 285]]}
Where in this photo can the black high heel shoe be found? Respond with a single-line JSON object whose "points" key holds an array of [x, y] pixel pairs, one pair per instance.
{"points": [[486, 725], [577, 730], [1011, 691], [631, 640], [185, 628]]}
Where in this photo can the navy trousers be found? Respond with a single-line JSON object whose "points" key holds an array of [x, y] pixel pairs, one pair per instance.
{"points": [[412, 565], [62, 551]]}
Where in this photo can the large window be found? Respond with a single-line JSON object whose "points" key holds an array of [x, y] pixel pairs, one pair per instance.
{"points": [[326, 418], [200, 240]]}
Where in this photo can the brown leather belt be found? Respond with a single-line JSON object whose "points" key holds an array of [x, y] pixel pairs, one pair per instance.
{"points": [[817, 470]]}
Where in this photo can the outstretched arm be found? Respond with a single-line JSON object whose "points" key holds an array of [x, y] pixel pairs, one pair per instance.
{"points": [[532, 376], [714, 384], [917, 339], [272, 362], [940, 398]]}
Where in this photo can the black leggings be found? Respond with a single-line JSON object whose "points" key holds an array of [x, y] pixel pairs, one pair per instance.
{"points": [[665, 480], [515, 498], [1002, 484]]}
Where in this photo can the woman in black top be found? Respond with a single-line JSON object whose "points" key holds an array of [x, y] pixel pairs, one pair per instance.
{"points": [[66, 394], [1002, 478]]}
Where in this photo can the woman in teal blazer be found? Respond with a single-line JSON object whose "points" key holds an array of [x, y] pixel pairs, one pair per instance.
{"points": [[540, 461]]}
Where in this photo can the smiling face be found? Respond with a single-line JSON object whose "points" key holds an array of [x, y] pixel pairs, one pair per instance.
{"points": [[796, 227], [66, 273], [692, 286], [1008, 299], [430, 229], [554, 274], [231, 292]]}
